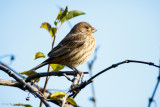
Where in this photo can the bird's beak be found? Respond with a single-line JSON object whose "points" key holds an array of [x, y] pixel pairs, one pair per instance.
{"points": [[93, 30]]}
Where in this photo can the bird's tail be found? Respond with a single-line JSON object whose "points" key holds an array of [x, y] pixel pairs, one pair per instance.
{"points": [[40, 65]]}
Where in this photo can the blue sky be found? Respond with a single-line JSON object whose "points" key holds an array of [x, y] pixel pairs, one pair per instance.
{"points": [[127, 29]]}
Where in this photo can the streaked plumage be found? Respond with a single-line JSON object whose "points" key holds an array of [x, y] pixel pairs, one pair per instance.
{"points": [[75, 49]]}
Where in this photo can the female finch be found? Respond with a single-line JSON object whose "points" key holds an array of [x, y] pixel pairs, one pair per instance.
{"points": [[75, 49]]}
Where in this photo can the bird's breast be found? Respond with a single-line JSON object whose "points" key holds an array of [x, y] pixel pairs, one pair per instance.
{"points": [[78, 55]]}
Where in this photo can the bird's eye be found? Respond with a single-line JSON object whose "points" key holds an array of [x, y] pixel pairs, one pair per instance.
{"points": [[87, 27]]}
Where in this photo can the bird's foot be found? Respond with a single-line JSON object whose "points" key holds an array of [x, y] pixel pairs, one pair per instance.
{"points": [[75, 70]]}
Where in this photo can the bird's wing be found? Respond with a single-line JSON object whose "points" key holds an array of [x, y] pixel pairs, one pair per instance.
{"points": [[70, 42]]}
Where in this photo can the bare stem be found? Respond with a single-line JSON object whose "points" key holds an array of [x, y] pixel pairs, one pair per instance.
{"points": [[45, 85], [47, 78]]}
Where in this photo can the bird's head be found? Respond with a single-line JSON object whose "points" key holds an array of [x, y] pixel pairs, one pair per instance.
{"points": [[83, 27]]}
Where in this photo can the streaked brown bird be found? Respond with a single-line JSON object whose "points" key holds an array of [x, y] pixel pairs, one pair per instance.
{"points": [[75, 49]]}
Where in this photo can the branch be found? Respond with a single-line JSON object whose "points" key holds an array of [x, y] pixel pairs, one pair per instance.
{"points": [[77, 79], [64, 99], [10, 83], [25, 85], [18, 85], [55, 73], [85, 83], [74, 88], [120, 63]]}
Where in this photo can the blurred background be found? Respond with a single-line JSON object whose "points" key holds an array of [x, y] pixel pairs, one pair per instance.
{"points": [[127, 29]]}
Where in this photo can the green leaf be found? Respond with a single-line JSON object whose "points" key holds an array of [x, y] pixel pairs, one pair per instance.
{"points": [[39, 55], [60, 14], [54, 30], [29, 73], [25, 105], [64, 15], [60, 94], [57, 95], [65, 12], [47, 26], [56, 22], [71, 14], [58, 17], [56, 67], [71, 101]]}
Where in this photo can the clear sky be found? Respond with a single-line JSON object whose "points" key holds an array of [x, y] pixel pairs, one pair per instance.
{"points": [[127, 29]]}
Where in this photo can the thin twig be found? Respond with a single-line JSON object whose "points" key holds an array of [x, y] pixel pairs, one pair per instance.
{"points": [[8, 55], [25, 85], [155, 89], [67, 77], [90, 66], [11, 69]]}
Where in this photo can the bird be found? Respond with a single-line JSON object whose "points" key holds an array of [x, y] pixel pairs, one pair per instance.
{"points": [[74, 49]]}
